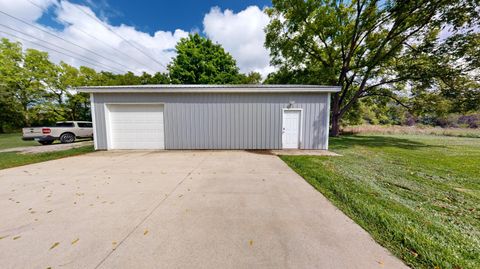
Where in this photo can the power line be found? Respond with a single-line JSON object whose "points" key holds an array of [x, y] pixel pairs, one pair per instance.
{"points": [[59, 37], [108, 45], [54, 50], [35, 4], [95, 38], [55, 45], [109, 29]]}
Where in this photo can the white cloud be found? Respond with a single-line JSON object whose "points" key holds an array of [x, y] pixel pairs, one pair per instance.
{"points": [[83, 28], [241, 34], [25, 9]]}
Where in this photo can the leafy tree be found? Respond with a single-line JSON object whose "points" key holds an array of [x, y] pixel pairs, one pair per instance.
{"points": [[251, 78], [10, 115], [371, 47], [157, 78], [24, 77], [200, 61], [10, 109]]}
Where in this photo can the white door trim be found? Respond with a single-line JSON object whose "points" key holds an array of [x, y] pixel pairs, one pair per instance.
{"points": [[107, 118], [300, 135]]}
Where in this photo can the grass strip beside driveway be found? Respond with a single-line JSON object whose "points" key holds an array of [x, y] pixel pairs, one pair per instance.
{"points": [[419, 196], [14, 140], [13, 159]]}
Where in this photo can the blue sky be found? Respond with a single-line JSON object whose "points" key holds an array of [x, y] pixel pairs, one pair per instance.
{"points": [[77, 31], [149, 16], [167, 15]]}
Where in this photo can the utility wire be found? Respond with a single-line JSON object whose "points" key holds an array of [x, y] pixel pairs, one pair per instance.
{"points": [[59, 37], [108, 45], [54, 50], [57, 46], [109, 29], [95, 38]]}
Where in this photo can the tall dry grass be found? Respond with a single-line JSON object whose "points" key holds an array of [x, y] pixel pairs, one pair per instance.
{"points": [[412, 130]]}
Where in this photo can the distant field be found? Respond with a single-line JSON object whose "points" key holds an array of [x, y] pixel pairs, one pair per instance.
{"points": [[417, 195], [411, 130]]}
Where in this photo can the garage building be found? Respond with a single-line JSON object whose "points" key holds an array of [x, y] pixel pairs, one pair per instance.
{"points": [[210, 116]]}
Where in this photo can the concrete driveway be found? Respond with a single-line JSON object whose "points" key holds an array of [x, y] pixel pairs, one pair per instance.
{"points": [[179, 209]]}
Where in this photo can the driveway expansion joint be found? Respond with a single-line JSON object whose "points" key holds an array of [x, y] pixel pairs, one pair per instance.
{"points": [[151, 212]]}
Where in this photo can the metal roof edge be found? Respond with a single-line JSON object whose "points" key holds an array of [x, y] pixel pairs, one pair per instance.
{"points": [[177, 88]]}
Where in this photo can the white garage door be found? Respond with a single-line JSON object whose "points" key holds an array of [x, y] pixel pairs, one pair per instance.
{"points": [[138, 126]]}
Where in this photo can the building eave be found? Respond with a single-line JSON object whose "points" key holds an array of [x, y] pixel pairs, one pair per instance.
{"points": [[176, 88]]}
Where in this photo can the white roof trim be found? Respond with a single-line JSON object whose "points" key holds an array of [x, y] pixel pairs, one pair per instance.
{"points": [[177, 88]]}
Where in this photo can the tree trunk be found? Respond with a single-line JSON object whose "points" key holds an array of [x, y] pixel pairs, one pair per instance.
{"points": [[335, 120], [335, 131], [25, 116]]}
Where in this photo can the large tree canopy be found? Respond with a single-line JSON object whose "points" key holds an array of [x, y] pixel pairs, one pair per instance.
{"points": [[375, 47], [200, 61]]}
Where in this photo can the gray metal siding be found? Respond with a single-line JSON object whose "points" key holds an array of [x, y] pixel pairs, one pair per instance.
{"points": [[225, 120]]}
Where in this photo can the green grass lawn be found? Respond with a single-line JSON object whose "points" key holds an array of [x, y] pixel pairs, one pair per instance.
{"points": [[14, 140], [12, 159], [419, 196]]}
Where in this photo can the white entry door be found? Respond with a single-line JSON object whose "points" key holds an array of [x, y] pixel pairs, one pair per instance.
{"points": [[291, 129], [135, 126]]}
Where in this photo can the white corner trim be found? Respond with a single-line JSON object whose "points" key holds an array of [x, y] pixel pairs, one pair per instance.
{"points": [[92, 112], [329, 97]]}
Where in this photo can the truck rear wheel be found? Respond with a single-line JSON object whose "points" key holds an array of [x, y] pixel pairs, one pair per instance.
{"points": [[67, 138]]}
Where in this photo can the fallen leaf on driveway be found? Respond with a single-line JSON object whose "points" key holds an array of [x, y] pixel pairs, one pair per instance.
{"points": [[5, 236], [54, 245], [75, 241], [250, 242], [16, 237], [146, 232]]}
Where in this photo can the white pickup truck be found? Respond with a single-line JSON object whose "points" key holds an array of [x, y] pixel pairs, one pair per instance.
{"points": [[65, 131]]}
